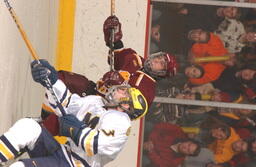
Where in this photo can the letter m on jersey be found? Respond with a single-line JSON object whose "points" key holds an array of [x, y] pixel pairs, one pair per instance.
{"points": [[109, 133], [91, 122]]}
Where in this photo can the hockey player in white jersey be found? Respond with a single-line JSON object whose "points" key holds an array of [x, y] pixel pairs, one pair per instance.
{"points": [[97, 128]]}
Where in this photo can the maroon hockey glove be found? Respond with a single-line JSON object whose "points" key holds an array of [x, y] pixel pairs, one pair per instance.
{"points": [[111, 23]]}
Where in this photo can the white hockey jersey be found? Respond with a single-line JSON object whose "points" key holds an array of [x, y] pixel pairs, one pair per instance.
{"points": [[106, 134]]}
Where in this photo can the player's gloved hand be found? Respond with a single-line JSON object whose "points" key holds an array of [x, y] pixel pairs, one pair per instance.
{"points": [[71, 127], [43, 70], [112, 23]]}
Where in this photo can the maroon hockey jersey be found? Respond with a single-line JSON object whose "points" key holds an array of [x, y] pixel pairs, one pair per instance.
{"points": [[128, 64]]}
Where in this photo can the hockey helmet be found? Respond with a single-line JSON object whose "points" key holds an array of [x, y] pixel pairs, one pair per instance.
{"points": [[138, 106], [111, 78], [169, 63]]}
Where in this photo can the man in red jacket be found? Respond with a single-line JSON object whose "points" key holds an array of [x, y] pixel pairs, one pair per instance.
{"points": [[167, 145]]}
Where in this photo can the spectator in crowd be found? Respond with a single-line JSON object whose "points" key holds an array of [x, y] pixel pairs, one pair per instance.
{"points": [[223, 137], [167, 146], [243, 80], [240, 147], [231, 31], [206, 44], [204, 157], [228, 12], [247, 75], [246, 56], [170, 35], [239, 119], [252, 147], [214, 84], [242, 158], [208, 17], [205, 73], [205, 17], [155, 38]]}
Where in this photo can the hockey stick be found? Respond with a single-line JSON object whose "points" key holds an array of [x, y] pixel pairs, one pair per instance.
{"points": [[33, 53], [112, 37]]}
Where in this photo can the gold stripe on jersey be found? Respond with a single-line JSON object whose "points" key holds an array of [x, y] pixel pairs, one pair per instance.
{"points": [[78, 163], [5, 151], [139, 80], [67, 99], [138, 59], [147, 76], [142, 74], [47, 108], [89, 143], [119, 50]]}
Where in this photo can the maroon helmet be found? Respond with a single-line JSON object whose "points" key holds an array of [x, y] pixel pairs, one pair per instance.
{"points": [[110, 79], [168, 61]]}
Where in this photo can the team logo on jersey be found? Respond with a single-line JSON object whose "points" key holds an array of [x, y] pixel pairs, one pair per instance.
{"points": [[91, 121], [125, 74], [109, 133], [128, 132]]}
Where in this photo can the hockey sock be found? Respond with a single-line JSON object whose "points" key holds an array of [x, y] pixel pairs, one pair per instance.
{"points": [[7, 151]]}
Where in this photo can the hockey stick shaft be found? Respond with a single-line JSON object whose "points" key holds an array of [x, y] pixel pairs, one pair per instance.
{"points": [[112, 8], [112, 37], [33, 54]]}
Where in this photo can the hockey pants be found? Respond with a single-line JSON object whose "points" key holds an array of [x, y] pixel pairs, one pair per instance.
{"points": [[43, 149]]}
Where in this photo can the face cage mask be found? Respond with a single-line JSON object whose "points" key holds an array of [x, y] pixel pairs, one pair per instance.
{"points": [[133, 111], [148, 65], [111, 102]]}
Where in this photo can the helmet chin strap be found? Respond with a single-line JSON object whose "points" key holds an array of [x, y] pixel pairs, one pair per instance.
{"points": [[123, 108], [108, 104]]}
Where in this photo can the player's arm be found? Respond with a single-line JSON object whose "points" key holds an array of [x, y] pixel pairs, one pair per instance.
{"points": [[40, 72], [108, 140], [124, 58]]}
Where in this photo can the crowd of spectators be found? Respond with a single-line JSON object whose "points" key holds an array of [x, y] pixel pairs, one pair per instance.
{"points": [[215, 47]]}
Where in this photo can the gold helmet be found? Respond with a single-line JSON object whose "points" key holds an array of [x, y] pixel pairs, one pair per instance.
{"points": [[138, 106]]}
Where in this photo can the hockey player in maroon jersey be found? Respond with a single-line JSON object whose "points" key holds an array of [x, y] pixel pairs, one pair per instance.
{"points": [[129, 68]]}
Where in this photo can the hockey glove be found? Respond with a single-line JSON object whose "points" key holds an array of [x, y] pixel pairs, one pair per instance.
{"points": [[71, 127], [43, 70], [112, 23]]}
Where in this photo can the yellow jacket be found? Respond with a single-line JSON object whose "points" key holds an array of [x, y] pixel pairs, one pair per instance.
{"points": [[222, 149]]}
